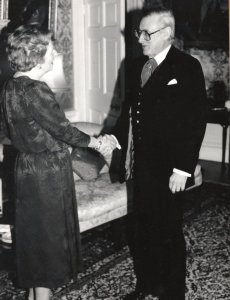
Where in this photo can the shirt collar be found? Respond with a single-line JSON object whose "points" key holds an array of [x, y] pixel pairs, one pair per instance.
{"points": [[161, 56]]}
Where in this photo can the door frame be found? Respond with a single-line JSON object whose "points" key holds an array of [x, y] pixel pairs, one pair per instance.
{"points": [[79, 95], [79, 62]]}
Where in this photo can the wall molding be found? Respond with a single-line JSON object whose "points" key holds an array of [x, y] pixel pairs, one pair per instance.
{"points": [[78, 34]]}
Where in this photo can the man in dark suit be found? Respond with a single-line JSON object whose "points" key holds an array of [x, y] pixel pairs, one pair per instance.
{"points": [[167, 107]]}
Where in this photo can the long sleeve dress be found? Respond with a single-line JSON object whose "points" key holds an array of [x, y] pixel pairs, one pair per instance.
{"points": [[47, 237]]}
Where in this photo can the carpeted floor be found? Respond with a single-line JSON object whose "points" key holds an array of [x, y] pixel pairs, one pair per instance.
{"points": [[108, 265]]}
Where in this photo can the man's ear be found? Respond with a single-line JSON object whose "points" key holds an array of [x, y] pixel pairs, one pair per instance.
{"points": [[168, 32]]}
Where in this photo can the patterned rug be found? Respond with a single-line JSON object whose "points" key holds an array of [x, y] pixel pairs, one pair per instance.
{"points": [[109, 269]]}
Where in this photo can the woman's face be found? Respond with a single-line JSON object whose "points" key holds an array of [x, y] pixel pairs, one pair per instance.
{"points": [[47, 65]]}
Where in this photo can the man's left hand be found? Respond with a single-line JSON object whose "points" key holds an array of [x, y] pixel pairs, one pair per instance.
{"points": [[177, 182]]}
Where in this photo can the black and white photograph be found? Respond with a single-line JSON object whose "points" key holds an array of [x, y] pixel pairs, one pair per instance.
{"points": [[114, 150]]}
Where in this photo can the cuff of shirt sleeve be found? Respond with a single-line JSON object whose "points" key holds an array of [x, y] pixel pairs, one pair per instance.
{"points": [[181, 172], [118, 146]]}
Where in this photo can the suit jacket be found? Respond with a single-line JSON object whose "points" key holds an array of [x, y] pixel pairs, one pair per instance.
{"points": [[168, 120]]}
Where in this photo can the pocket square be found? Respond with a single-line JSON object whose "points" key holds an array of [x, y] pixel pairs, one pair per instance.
{"points": [[173, 81]]}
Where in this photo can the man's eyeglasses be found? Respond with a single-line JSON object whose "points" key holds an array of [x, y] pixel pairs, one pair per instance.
{"points": [[145, 34]]}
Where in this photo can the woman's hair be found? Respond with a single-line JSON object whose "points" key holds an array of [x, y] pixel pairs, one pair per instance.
{"points": [[26, 47]]}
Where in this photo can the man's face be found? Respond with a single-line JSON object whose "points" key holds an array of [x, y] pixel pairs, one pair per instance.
{"points": [[159, 40]]}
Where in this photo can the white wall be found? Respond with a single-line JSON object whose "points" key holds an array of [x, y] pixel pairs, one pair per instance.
{"points": [[212, 144], [215, 64]]}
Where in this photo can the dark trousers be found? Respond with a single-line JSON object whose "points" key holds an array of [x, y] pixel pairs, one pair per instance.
{"points": [[157, 243]]}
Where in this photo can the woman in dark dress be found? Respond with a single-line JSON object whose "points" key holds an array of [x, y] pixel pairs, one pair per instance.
{"points": [[47, 237]]}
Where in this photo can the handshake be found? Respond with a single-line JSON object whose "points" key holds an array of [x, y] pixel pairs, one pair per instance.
{"points": [[104, 144]]}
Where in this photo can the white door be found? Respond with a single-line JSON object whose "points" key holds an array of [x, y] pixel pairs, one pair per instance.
{"points": [[104, 54]]}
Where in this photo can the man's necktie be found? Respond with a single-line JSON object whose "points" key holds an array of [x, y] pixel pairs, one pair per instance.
{"points": [[147, 70]]}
